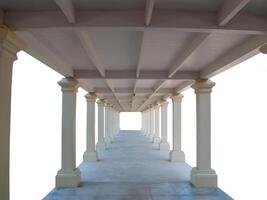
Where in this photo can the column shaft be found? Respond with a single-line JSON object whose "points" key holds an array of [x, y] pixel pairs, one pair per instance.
{"points": [[177, 154], [9, 46], [90, 153], [68, 175], [203, 175], [164, 145], [156, 137], [101, 145]]}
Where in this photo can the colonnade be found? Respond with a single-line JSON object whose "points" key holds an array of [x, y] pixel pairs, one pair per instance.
{"points": [[108, 127], [202, 175], [108, 124]]}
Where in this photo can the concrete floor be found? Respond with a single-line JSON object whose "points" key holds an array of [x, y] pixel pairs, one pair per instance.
{"points": [[134, 168]]}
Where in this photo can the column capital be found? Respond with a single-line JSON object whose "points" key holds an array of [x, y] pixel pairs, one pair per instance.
{"points": [[203, 86], [164, 103], [10, 42], [68, 84], [100, 102], [90, 97], [177, 97]]}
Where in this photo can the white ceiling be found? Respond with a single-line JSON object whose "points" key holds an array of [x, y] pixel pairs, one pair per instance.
{"points": [[106, 45]]}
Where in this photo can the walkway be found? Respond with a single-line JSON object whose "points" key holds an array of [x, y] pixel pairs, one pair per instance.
{"points": [[133, 168]]}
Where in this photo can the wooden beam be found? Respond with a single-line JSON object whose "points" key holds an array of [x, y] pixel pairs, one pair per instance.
{"points": [[235, 56], [130, 75], [200, 22], [1, 16], [130, 90], [229, 10], [194, 43], [87, 44], [68, 9], [149, 11]]}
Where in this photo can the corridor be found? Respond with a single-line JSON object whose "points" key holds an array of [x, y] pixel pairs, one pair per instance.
{"points": [[133, 168]]}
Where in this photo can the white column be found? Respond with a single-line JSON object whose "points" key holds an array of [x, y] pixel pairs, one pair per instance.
{"points": [[90, 153], [177, 155], [148, 122], [101, 145], [152, 123], [156, 137], [202, 175], [107, 124], [9, 46], [68, 175], [111, 133], [164, 145]]}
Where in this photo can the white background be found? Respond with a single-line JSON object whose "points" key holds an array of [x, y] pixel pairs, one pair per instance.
{"points": [[239, 128]]}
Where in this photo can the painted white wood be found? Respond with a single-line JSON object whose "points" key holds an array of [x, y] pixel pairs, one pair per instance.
{"points": [[237, 55], [9, 46], [90, 154], [131, 74], [68, 175], [101, 145], [177, 155], [202, 175], [199, 22], [198, 39], [164, 145], [89, 48], [229, 10], [149, 11], [68, 9], [157, 139]]}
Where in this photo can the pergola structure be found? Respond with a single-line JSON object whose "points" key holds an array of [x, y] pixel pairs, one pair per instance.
{"points": [[130, 55]]}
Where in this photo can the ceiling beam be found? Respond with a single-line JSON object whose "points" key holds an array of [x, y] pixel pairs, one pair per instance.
{"points": [[194, 43], [236, 55], [109, 84], [229, 10], [149, 11], [1, 16], [133, 21], [68, 9], [130, 75], [130, 90], [87, 44]]}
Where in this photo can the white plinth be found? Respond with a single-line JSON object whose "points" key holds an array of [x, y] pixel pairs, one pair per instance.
{"points": [[90, 157], [177, 156], [100, 146], [164, 146], [203, 178], [66, 178]]}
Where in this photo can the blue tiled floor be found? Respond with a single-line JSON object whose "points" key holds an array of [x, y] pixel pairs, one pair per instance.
{"points": [[133, 168]]}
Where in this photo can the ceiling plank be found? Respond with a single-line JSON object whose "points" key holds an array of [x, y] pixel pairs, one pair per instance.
{"points": [[149, 11], [197, 40], [133, 21], [87, 44], [68, 9], [235, 56], [229, 10]]}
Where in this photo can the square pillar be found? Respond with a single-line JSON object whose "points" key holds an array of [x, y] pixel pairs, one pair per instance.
{"points": [[90, 154], [177, 155], [68, 175], [156, 139], [107, 124], [202, 175], [152, 123], [164, 145], [101, 145], [9, 46]]}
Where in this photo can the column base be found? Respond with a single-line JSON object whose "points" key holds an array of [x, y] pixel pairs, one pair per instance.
{"points": [[164, 146], [177, 156], [203, 178], [107, 140], [100, 146], [66, 178], [151, 138], [156, 140], [90, 156]]}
